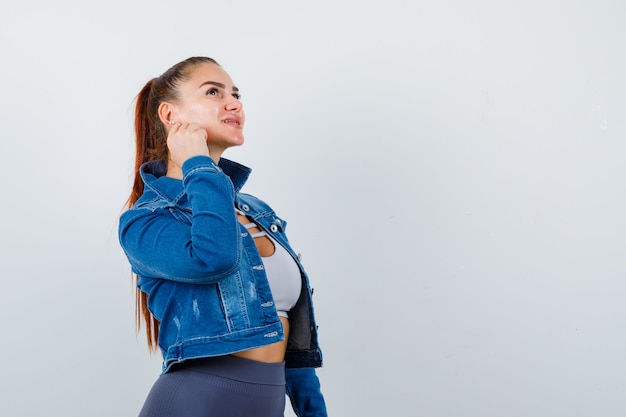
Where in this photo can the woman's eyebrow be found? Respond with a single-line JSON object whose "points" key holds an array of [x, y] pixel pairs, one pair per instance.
{"points": [[215, 83]]}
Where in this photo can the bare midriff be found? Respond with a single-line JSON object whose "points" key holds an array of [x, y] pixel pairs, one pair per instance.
{"points": [[275, 352]]}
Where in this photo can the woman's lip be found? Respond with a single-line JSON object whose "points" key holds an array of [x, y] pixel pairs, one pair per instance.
{"points": [[233, 121]]}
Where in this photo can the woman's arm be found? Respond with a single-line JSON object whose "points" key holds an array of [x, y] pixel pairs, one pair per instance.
{"points": [[303, 389], [157, 245]]}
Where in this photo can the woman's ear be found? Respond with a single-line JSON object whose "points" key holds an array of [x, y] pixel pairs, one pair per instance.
{"points": [[167, 113]]}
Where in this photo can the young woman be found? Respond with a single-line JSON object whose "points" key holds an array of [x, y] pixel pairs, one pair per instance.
{"points": [[221, 291]]}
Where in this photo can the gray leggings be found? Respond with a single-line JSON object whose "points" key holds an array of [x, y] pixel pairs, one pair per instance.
{"points": [[224, 386]]}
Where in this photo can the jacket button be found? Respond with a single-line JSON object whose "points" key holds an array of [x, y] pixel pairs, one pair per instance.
{"points": [[274, 228], [245, 207]]}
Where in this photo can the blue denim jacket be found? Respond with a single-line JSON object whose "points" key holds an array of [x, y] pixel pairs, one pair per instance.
{"points": [[201, 269]]}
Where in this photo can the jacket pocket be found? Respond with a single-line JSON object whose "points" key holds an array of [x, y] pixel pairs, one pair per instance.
{"points": [[232, 294]]}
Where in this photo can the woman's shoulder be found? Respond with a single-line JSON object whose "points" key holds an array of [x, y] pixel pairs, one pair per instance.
{"points": [[149, 203]]}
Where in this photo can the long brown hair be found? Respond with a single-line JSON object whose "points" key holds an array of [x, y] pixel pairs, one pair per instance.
{"points": [[150, 138]]}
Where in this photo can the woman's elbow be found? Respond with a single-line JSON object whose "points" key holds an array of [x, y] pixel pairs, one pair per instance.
{"points": [[220, 266]]}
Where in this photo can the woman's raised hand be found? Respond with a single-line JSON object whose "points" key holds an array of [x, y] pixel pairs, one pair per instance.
{"points": [[186, 140]]}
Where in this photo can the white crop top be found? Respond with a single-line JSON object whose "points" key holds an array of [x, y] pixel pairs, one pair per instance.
{"points": [[282, 273]]}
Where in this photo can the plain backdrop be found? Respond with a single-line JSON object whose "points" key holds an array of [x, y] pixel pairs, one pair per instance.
{"points": [[452, 173]]}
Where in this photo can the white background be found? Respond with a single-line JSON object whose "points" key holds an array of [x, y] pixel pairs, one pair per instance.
{"points": [[452, 172]]}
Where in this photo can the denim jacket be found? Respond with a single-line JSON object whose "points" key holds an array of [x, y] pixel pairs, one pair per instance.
{"points": [[201, 269]]}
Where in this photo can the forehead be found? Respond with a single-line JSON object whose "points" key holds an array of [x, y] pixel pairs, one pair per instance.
{"points": [[204, 72]]}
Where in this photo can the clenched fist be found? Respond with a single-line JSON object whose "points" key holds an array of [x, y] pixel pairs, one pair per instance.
{"points": [[186, 140]]}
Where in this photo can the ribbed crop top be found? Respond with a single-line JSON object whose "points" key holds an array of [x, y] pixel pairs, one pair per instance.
{"points": [[282, 273]]}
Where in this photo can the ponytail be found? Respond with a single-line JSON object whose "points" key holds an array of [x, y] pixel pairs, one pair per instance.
{"points": [[142, 135], [150, 144]]}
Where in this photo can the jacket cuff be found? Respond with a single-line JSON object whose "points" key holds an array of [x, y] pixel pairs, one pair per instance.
{"points": [[199, 162]]}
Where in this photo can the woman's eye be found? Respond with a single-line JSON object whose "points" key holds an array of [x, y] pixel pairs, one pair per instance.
{"points": [[213, 92], [237, 96]]}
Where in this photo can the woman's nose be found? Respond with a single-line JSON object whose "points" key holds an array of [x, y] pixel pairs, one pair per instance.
{"points": [[232, 103]]}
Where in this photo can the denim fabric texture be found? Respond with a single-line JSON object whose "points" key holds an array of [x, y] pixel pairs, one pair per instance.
{"points": [[201, 269], [304, 391]]}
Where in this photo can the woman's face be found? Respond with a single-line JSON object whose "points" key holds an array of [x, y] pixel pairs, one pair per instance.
{"points": [[210, 99]]}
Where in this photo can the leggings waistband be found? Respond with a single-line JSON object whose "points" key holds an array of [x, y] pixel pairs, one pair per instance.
{"points": [[240, 369]]}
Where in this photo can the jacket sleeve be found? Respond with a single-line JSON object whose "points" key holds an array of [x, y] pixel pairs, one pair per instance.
{"points": [[303, 389], [205, 251]]}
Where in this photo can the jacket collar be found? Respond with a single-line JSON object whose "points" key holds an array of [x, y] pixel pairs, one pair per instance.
{"points": [[153, 176], [237, 173]]}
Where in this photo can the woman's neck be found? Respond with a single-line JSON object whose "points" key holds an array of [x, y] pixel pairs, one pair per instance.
{"points": [[173, 170]]}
